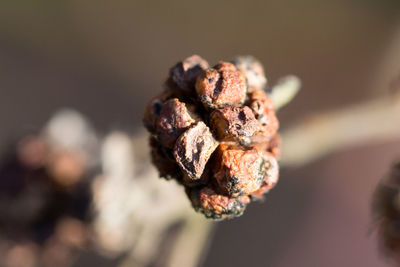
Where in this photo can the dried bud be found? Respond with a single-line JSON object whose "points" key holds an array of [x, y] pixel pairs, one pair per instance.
{"points": [[217, 206], [242, 172], [185, 73], [193, 149], [253, 70], [221, 86], [215, 137], [235, 123], [174, 119]]}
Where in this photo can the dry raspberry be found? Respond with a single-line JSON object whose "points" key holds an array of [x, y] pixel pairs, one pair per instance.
{"points": [[221, 86], [216, 137]]}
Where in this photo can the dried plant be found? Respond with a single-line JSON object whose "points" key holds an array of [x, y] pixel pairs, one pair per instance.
{"points": [[214, 131]]}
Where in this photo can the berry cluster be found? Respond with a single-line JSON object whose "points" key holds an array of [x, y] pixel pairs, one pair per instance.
{"points": [[214, 130]]}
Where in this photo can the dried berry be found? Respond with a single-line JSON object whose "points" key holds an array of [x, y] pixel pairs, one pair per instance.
{"points": [[193, 149], [185, 73], [174, 119], [216, 137], [242, 172], [271, 168], [234, 123], [153, 110], [221, 86]]}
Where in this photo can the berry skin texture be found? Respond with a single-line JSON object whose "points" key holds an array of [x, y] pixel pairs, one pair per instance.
{"points": [[243, 172], [218, 206], [271, 176], [215, 132], [152, 112], [185, 73], [174, 119], [221, 86], [234, 123], [193, 149]]}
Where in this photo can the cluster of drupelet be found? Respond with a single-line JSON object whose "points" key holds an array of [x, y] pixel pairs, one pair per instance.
{"points": [[214, 130]]}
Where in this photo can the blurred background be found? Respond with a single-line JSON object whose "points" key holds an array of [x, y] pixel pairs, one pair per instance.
{"points": [[107, 59]]}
